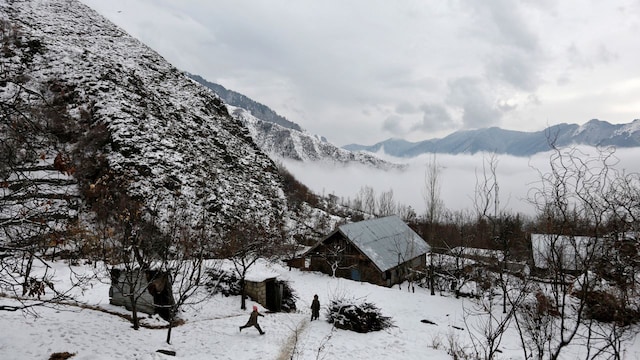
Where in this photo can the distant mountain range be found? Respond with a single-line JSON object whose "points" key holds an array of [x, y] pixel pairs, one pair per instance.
{"points": [[279, 136], [517, 143]]}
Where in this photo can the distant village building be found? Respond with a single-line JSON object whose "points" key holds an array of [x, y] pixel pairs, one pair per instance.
{"points": [[383, 251], [489, 258], [566, 253], [484, 255]]}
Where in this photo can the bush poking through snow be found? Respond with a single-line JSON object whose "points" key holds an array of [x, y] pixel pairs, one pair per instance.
{"points": [[363, 317], [606, 307], [223, 282], [289, 298]]}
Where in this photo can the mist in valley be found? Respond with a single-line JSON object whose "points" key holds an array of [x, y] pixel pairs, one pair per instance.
{"points": [[518, 178]]}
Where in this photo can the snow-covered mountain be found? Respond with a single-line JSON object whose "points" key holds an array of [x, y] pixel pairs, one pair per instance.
{"points": [[259, 110], [89, 105], [517, 143], [282, 142], [282, 138]]}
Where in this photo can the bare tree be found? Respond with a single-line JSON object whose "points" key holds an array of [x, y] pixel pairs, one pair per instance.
{"points": [[434, 206], [407, 213], [367, 194], [487, 326], [185, 261], [246, 240], [432, 189], [336, 257], [133, 242], [487, 200], [386, 204], [573, 198], [405, 248], [34, 210]]}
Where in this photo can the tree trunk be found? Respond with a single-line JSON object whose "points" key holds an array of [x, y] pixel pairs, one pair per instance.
{"points": [[432, 284], [243, 303], [172, 313], [134, 313]]}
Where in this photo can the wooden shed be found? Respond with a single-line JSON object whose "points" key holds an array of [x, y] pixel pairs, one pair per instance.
{"points": [[383, 251]]}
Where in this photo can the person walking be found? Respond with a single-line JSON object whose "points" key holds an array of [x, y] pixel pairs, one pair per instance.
{"points": [[253, 320], [315, 308]]}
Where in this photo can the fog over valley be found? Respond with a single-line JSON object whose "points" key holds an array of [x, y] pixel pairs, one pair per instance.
{"points": [[517, 178]]}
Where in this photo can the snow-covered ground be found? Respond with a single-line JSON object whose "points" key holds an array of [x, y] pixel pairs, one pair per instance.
{"points": [[211, 328]]}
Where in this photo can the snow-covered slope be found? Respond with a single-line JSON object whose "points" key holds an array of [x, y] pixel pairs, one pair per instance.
{"points": [[282, 138], [289, 143], [127, 114]]}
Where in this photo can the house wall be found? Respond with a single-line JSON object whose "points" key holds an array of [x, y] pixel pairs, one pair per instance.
{"points": [[267, 293], [257, 291], [366, 269]]}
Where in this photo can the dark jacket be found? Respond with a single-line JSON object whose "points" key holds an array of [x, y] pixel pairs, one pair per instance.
{"points": [[253, 318], [315, 306]]}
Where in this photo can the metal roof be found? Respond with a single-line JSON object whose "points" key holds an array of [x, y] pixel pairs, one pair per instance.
{"points": [[387, 241], [571, 251]]}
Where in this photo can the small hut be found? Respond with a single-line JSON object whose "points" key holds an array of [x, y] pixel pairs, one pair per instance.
{"points": [[265, 289], [152, 289]]}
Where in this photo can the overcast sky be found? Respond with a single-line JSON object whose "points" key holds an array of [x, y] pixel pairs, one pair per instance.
{"points": [[362, 71]]}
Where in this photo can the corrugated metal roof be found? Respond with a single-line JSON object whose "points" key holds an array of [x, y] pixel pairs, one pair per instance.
{"points": [[570, 250], [386, 241]]}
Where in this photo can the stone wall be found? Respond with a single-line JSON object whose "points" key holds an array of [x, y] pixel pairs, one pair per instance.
{"points": [[257, 291]]}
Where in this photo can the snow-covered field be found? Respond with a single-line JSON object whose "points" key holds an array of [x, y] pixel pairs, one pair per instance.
{"points": [[211, 328]]}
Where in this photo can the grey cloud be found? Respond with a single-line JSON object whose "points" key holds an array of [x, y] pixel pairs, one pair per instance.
{"points": [[515, 53], [590, 58], [516, 69], [435, 117], [406, 108], [576, 58], [533, 99], [504, 23], [392, 125], [563, 79], [605, 56], [478, 109]]}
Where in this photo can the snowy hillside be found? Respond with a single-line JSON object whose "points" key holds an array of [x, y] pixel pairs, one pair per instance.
{"points": [[282, 138], [125, 117], [261, 111], [289, 143]]}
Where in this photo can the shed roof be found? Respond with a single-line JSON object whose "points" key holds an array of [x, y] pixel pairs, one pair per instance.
{"points": [[387, 241], [570, 250]]}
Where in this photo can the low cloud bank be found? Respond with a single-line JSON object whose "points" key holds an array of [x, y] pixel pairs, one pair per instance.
{"points": [[459, 174]]}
